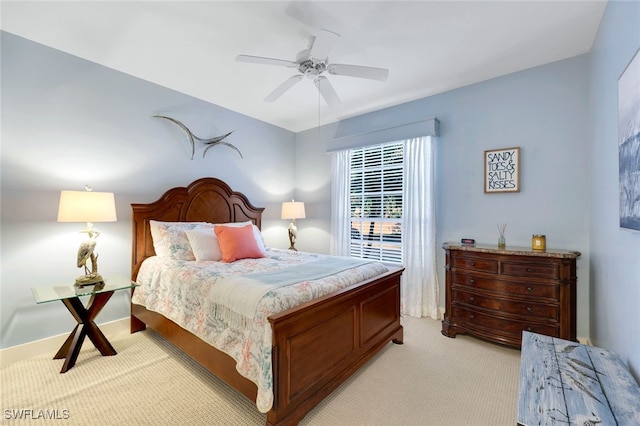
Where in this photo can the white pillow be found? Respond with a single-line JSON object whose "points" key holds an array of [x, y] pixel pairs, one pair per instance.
{"points": [[204, 244], [256, 232], [170, 238]]}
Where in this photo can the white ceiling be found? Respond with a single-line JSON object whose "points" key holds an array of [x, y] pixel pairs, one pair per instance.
{"points": [[428, 46]]}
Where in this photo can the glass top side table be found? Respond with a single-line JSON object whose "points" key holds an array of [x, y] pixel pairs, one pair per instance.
{"points": [[70, 295]]}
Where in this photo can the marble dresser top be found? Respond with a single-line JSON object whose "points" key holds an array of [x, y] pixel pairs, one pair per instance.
{"points": [[511, 250]]}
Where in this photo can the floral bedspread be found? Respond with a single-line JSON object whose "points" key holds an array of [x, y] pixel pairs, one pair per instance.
{"points": [[180, 290]]}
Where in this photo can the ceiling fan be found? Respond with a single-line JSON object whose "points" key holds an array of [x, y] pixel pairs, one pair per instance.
{"points": [[312, 63]]}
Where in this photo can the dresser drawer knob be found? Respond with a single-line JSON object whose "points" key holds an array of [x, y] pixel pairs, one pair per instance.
{"points": [[529, 329], [472, 316], [529, 309], [472, 281], [529, 289], [471, 299], [473, 263], [529, 270]]}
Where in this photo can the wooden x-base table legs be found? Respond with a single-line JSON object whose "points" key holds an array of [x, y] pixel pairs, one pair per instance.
{"points": [[86, 327]]}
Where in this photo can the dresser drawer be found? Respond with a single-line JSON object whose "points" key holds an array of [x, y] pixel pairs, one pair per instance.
{"points": [[537, 270], [500, 325], [549, 291], [523, 307], [475, 264]]}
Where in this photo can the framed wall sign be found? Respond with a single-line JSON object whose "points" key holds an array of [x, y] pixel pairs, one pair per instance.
{"points": [[629, 144], [502, 170]]}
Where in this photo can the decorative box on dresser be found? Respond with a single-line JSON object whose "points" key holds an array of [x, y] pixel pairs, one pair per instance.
{"points": [[495, 294]]}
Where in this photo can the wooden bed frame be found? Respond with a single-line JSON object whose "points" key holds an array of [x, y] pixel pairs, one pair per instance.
{"points": [[316, 346]]}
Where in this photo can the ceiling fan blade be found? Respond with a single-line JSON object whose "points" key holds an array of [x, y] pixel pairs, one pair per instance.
{"points": [[266, 61], [322, 45], [328, 93], [359, 71], [290, 82]]}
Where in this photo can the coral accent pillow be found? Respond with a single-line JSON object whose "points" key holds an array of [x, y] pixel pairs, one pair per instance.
{"points": [[237, 243], [256, 232]]}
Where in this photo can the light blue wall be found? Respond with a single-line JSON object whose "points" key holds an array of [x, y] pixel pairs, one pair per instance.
{"points": [[67, 122], [615, 253], [541, 110]]}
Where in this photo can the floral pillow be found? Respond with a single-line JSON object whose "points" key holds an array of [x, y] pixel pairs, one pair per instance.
{"points": [[170, 238]]}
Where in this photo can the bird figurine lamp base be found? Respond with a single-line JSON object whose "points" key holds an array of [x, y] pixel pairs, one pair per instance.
{"points": [[293, 233], [86, 253]]}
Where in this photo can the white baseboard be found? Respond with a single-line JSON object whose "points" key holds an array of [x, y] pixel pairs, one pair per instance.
{"points": [[585, 341], [52, 344]]}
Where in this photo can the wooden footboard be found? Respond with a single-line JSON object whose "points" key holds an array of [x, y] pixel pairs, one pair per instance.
{"points": [[316, 346]]}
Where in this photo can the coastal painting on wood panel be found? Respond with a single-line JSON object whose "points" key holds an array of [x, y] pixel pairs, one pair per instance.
{"points": [[629, 144]]}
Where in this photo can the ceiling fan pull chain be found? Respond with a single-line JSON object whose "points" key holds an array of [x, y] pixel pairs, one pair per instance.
{"points": [[318, 110]]}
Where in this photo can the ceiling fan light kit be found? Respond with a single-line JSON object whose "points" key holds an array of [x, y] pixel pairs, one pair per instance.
{"points": [[312, 63]]}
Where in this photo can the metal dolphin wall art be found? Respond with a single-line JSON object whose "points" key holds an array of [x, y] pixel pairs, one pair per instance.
{"points": [[209, 143]]}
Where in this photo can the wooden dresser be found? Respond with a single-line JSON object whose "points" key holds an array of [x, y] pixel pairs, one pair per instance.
{"points": [[496, 294]]}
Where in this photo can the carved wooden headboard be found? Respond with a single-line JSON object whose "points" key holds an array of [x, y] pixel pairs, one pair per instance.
{"points": [[204, 200]]}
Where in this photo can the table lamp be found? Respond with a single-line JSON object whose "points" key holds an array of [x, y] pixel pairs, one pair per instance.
{"points": [[87, 206], [293, 210]]}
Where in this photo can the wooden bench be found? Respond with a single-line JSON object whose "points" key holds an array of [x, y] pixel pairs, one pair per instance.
{"points": [[567, 383]]}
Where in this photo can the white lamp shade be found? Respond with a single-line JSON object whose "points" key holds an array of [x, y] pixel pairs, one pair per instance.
{"points": [[293, 210], [86, 206]]}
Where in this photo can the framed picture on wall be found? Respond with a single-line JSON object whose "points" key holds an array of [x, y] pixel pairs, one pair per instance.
{"points": [[629, 144], [502, 170]]}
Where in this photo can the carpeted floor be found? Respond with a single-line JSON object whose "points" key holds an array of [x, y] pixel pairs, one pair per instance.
{"points": [[430, 380]]}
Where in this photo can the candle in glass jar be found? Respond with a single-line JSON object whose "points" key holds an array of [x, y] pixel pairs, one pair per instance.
{"points": [[539, 242]]}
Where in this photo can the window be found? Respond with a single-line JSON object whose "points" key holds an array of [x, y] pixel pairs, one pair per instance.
{"points": [[375, 201], [383, 208]]}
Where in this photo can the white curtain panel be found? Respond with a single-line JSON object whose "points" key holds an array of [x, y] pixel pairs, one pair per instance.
{"points": [[419, 285], [340, 213]]}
